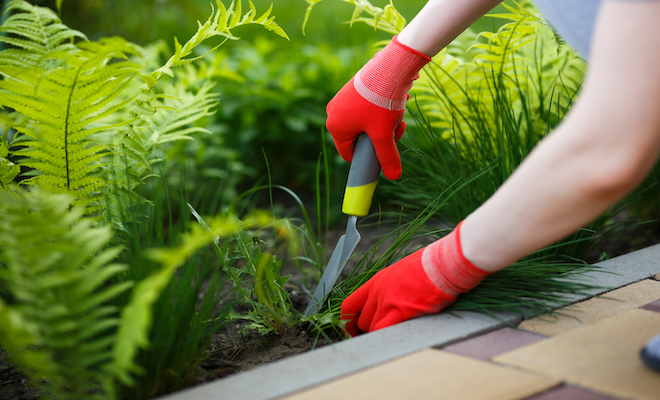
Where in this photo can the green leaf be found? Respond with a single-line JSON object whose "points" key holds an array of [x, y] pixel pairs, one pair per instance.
{"points": [[48, 254]]}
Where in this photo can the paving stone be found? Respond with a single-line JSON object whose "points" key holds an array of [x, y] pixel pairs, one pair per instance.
{"points": [[570, 393], [602, 356], [623, 270], [611, 303], [432, 374], [652, 306], [487, 346], [331, 362]]}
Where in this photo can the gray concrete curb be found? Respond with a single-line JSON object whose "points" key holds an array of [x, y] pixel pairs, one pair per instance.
{"points": [[331, 362]]}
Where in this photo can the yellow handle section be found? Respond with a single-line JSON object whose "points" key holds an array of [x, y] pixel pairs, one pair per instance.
{"points": [[357, 199]]}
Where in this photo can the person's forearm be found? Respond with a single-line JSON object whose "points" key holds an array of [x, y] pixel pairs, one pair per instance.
{"points": [[602, 150], [560, 187], [441, 21]]}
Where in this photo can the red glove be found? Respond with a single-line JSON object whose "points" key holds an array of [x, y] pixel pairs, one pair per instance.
{"points": [[373, 101], [422, 283]]}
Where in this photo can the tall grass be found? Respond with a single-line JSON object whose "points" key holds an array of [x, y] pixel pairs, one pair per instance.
{"points": [[191, 309], [536, 285], [486, 106], [477, 111]]}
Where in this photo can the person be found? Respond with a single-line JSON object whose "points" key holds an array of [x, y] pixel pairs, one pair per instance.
{"points": [[602, 150]]}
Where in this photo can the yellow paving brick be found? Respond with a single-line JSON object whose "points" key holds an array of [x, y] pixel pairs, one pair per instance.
{"points": [[432, 374], [597, 308], [602, 356]]}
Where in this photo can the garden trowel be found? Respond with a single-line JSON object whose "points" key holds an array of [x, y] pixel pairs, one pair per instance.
{"points": [[360, 186]]}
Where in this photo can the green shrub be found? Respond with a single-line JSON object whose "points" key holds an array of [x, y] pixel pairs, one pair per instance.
{"points": [[277, 109], [87, 122], [57, 324]]}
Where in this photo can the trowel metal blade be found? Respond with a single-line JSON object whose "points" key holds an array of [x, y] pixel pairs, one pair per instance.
{"points": [[343, 251]]}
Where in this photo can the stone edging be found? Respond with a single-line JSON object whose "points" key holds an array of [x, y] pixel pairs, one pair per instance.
{"points": [[340, 359]]}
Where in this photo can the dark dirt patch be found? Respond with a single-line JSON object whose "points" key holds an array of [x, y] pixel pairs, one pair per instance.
{"points": [[233, 353], [13, 384]]}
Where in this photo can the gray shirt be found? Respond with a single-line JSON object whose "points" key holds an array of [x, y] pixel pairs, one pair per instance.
{"points": [[574, 20]]}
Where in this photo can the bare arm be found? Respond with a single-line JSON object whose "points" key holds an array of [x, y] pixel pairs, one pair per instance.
{"points": [[441, 21], [602, 150]]}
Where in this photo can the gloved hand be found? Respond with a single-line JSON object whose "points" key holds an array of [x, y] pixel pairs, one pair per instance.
{"points": [[424, 282], [373, 101]]}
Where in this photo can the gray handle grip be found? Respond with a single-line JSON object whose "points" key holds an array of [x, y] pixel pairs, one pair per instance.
{"points": [[362, 178]]}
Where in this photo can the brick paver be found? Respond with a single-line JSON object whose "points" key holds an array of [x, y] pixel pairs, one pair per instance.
{"points": [[433, 374], [602, 356], [652, 306], [487, 346], [594, 309], [570, 393]]}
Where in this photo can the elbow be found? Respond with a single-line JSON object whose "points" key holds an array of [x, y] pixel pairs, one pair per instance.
{"points": [[613, 179]]}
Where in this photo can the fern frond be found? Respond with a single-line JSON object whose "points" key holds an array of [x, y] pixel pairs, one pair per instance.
{"points": [[181, 113], [220, 23], [57, 271], [520, 59], [63, 94], [87, 128], [37, 29], [387, 19], [8, 170]]}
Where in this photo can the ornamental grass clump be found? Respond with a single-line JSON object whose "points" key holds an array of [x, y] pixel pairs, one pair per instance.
{"points": [[536, 285], [486, 106], [476, 112]]}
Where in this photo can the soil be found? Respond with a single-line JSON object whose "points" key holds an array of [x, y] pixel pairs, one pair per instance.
{"points": [[13, 384], [232, 351]]}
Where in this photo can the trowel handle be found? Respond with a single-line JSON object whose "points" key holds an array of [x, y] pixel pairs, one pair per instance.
{"points": [[362, 178]]}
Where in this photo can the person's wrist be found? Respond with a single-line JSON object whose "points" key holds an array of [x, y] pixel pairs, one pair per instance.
{"points": [[447, 268], [386, 79], [410, 49]]}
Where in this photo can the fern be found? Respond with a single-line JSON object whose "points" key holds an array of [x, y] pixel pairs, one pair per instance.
{"points": [[521, 59], [59, 326], [172, 119], [63, 91], [72, 93], [140, 137], [86, 128], [37, 30], [387, 19], [8, 170]]}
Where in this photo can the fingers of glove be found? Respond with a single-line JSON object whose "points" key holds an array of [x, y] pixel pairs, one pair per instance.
{"points": [[346, 119], [351, 328], [392, 317], [388, 154], [345, 145], [398, 132], [351, 308], [370, 309]]}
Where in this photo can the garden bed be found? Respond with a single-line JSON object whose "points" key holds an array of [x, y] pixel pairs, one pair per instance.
{"points": [[238, 359], [330, 362]]}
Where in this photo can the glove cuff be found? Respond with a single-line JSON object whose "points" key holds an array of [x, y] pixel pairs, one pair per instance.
{"points": [[447, 268], [386, 79]]}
